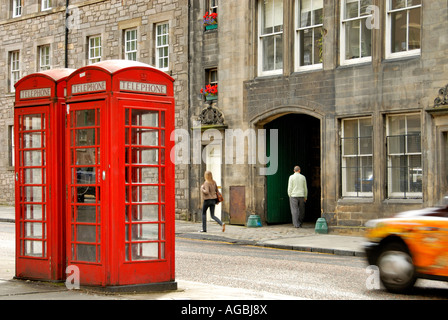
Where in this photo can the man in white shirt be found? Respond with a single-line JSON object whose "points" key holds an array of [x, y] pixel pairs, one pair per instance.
{"points": [[298, 193]]}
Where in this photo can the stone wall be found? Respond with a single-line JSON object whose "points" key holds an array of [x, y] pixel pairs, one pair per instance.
{"points": [[107, 18]]}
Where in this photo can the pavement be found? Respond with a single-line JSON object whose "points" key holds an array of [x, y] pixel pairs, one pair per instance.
{"points": [[283, 237]]}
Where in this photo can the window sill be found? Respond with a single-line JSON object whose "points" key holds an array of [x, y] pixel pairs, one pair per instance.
{"points": [[356, 62], [403, 201], [270, 75], [392, 57], [315, 67], [353, 200]]}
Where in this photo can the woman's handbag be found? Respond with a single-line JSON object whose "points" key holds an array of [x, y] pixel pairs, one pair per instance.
{"points": [[219, 197]]}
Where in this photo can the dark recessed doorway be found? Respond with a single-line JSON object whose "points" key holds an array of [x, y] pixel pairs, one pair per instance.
{"points": [[299, 139]]}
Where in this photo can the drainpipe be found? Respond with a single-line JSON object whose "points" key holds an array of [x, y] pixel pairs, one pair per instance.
{"points": [[189, 95], [67, 14]]}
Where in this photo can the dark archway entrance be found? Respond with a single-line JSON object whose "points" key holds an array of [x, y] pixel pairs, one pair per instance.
{"points": [[299, 139]]}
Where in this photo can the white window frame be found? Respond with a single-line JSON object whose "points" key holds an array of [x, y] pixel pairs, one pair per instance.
{"points": [[162, 47], [407, 53], [298, 50], [261, 36], [14, 57], [343, 40], [16, 8], [46, 5], [344, 159], [402, 195], [44, 57], [213, 6], [11, 146], [131, 44], [94, 49]]}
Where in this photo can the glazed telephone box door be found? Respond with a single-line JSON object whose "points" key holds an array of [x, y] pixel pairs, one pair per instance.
{"points": [[146, 151], [120, 207], [85, 176], [31, 140]]}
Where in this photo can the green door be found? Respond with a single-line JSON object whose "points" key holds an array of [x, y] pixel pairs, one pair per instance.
{"points": [[298, 144]]}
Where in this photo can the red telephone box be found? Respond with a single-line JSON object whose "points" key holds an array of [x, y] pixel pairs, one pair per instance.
{"points": [[39, 175], [120, 208]]}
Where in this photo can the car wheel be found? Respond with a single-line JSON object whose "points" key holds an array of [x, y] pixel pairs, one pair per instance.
{"points": [[397, 271]]}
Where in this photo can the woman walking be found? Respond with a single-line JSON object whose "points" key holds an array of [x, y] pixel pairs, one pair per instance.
{"points": [[209, 189]]}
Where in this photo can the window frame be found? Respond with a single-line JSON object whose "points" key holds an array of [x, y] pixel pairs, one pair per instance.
{"points": [[389, 157], [158, 47], [359, 155], [297, 34], [128, 40], [14, 69], [213, 6], [261, 36], [343, 40], [46, 55], [407, 53], [95, 58], [46, 5], [11, 146], [17, 6]]}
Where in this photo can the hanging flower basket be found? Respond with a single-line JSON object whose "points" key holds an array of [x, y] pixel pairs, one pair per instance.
{"points": [[210, 92], [210, 21]]}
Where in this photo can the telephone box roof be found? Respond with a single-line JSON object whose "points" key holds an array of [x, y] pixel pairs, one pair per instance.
{"points": [[54, 74], [115, 66]]}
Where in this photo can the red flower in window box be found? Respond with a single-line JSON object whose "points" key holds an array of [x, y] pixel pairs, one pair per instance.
{"points": [[210, 19], [210, 91]]}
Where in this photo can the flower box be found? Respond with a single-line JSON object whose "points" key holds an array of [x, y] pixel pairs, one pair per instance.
{"points": [[211, 97], [211, 27], [210, 92], [210, 21]]}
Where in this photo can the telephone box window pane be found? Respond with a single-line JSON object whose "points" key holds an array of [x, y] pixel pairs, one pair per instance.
{"points": [[32, 122], [162, 175], [84, 156], [87, 194], [33, 176], [145, 251], [85, 175], [33, 248], [33, 194], [32, 140], [86, 253], [33, 212], [32, 158], [162, 138], [162, 232], [86, 214], [162, 194], [85, 118], [162, 157], [86, 233], [144, 137], [145, 232], [145, 118], [162, 213], [149, 175], [162, 119], [162, 250], [85, 137], [34, 230], [145, 194], [145, 213], [145, 156]]}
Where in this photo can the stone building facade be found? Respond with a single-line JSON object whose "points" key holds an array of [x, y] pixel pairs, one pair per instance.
{"points": [[352, 91], [355, 90], [34, 37]]}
